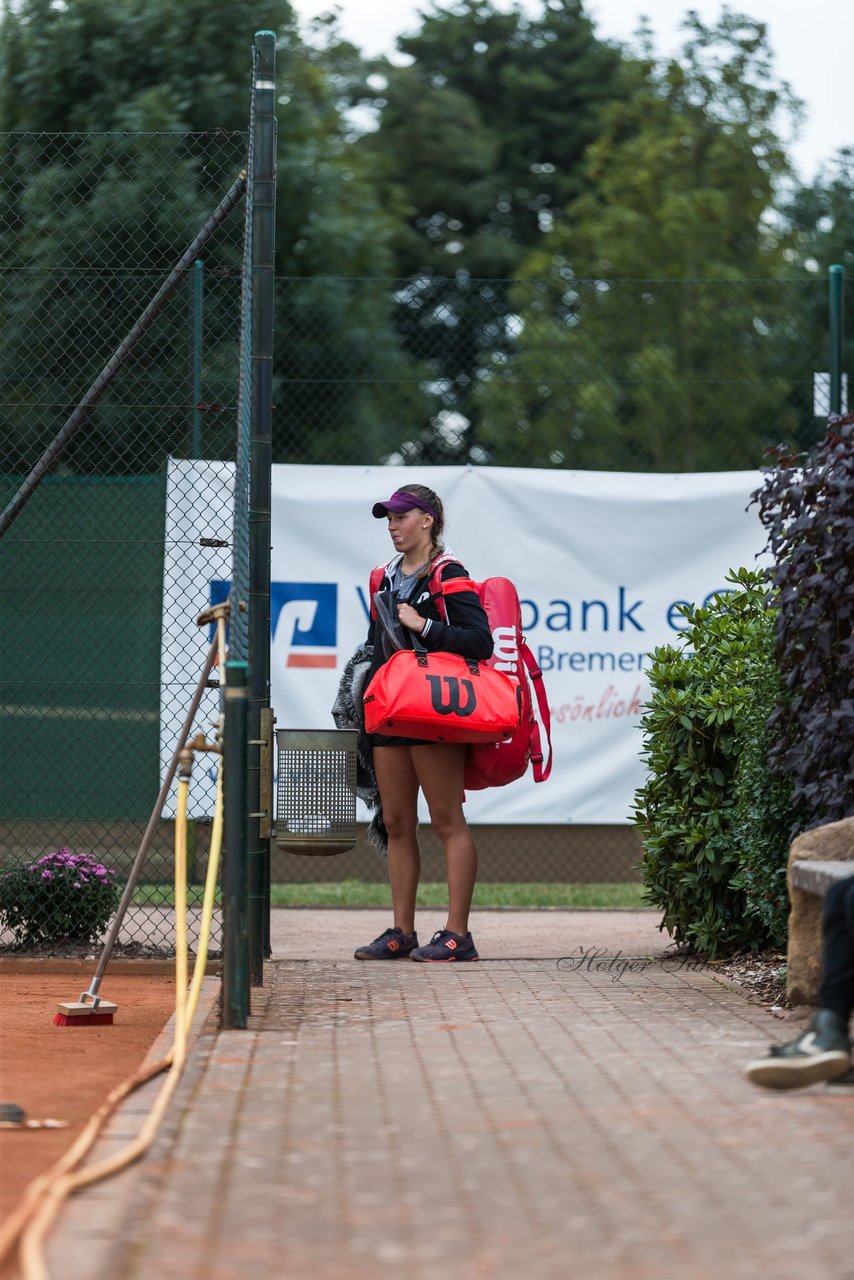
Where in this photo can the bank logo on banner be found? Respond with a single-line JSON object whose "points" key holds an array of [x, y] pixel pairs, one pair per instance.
{"points": [[306, 615]]}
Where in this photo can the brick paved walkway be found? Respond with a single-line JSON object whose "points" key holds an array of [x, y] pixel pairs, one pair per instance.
{"points": [[515, 1118]]}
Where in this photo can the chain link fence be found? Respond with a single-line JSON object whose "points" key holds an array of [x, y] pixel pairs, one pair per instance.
{"points": [[615, 375], [621, 375], [90, 226]]}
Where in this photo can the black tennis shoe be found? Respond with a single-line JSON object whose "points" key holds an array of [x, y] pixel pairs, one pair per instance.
{"points": [[445, 946], [394, 944]]}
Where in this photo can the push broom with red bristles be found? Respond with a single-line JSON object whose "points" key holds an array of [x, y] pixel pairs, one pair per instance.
{"points": [[89, 1011]]}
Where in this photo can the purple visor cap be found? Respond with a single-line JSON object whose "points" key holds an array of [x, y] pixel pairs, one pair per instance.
{"points": [[401, 501]]}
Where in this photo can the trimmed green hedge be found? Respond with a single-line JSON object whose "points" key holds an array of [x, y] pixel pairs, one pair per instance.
{"points": [[715, 825]]}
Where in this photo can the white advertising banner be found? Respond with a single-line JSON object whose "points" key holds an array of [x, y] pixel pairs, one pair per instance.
{"points": [[601, 561]]}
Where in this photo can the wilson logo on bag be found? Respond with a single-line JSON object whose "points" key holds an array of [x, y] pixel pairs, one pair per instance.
{"points": [[454, 705], [498, 763]]}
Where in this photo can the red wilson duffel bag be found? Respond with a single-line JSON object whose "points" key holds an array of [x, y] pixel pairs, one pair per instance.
{"points": [[441, 697]]}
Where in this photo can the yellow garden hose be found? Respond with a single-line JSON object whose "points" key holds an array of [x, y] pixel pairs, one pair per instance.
{"points": [[35, 1214]]}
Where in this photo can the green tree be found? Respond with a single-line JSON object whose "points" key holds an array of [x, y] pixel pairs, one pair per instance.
{"points": [[346, 391], [479, 146], [625, 356], [86, 65], [820, 217], [92, 222], [484, 132], [107, 178]]}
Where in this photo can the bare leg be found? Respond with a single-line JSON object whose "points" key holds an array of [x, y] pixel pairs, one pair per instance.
{"points": [[398, 787], [440, 772]]}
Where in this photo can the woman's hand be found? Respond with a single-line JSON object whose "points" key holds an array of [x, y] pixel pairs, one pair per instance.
{"points": [[410, 618]]}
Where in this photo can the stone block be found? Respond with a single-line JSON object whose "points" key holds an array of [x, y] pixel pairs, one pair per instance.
{"points": [[833, 842]]}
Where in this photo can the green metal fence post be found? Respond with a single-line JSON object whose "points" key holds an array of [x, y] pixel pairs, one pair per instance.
{"points": [[235, 975], [836, 280], [260, 483], [198, 305]]}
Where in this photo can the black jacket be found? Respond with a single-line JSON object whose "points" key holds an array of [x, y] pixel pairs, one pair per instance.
{"points": [[467, 630]]}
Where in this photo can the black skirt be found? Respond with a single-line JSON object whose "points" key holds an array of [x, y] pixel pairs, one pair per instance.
{"points": [[384, 740]]}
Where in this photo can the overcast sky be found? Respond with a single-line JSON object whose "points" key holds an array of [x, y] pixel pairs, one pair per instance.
{"points": [[812, 41]]}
